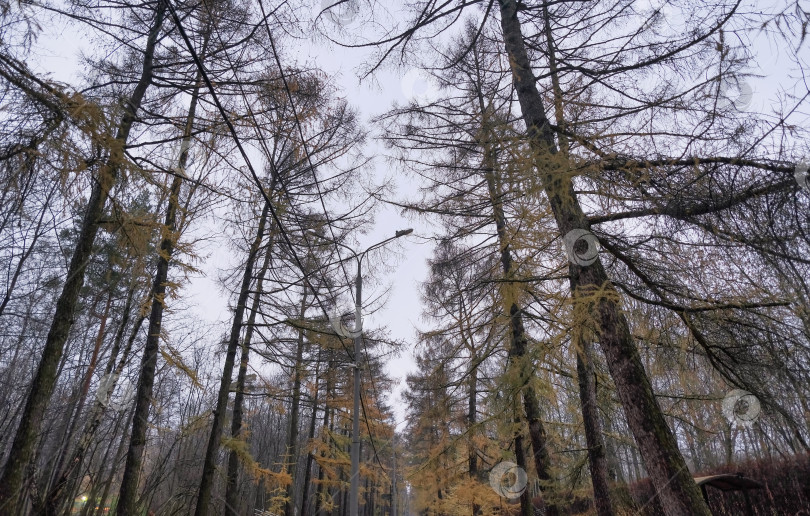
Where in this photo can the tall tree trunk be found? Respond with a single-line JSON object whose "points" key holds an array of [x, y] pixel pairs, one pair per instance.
{"points": [[48, 510], [597, 458], [518, 341], [69, 477], [292, 435], [312, 425], [472, 450], [258, 502], [587, 388], [91, 367], [637, 470], [368, 507], [209, 465], [128, 494], [327, 427], [615, 469], [472, 413], [526, 508], [91, 508], [232, 487], [589, 284], [14, 472], [472, 392], [531, 408]]}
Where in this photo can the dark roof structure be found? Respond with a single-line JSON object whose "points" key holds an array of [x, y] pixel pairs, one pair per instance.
{"points": [[729, 482]]}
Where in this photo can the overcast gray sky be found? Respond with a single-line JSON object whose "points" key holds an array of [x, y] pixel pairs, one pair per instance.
{"points": [[56, 53], [59, 46]]}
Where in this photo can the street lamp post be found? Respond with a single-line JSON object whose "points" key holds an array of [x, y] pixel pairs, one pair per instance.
{"points": [[358, 337], [358, 341]]}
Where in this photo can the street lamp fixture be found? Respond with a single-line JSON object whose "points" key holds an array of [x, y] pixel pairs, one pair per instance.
{"points": [[357, 334]]}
